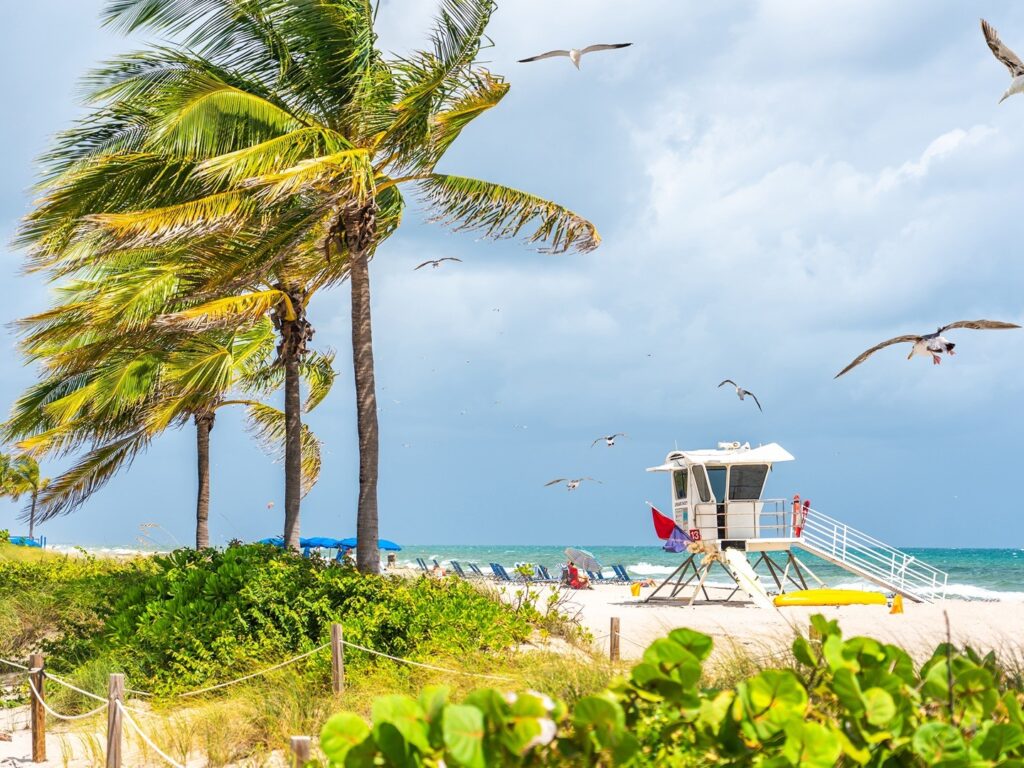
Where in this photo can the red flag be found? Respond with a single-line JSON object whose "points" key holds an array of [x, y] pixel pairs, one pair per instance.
{"points": [[663, 525]]}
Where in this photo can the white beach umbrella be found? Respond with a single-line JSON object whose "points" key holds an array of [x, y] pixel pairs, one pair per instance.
{"points": [[582, 559]]}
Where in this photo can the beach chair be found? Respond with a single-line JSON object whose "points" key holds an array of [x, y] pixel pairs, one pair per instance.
{"points": [[621, 574], [596, 576], [422, 564], [542, 576], [476, 571], [457, 567], [499, 572]]}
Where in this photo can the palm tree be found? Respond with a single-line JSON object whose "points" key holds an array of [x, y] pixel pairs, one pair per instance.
{"points": [[120, 395], [24, 477], [290, 135]]}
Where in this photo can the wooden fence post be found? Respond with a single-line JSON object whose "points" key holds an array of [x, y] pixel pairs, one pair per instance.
{"points": [[301, 750], [613, 640], [337, 660], [38, 714], [115, 695]]}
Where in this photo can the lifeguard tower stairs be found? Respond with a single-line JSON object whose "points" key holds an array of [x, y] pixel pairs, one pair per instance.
{"points": [[717, 502]]}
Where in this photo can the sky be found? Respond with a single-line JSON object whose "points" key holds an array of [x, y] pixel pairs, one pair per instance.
{"points": [[778, 184]]}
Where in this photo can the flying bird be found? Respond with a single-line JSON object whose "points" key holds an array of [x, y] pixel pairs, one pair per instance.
{"points": [[570, 485], [435, 263], [934, 344], [742, 393], [1009, 59], [608, 439], [575, 54]]}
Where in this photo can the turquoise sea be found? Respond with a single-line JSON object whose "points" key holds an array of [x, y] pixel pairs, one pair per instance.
{"points": [[974, 574]]}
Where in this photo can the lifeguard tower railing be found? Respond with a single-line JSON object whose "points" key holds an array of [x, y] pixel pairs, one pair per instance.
{"points": [[835, 542]]}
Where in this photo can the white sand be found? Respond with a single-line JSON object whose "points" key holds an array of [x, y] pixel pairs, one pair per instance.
{"points": [[763, 631]]}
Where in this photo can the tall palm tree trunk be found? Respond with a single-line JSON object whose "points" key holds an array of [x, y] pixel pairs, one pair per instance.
{"points": [[32, 515], [295, 330], [292, 452], [360, 225], [204, 425]]}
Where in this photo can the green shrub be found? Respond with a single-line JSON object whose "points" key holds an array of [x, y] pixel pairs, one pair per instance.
{"points": [[201, 617], [849, 702]]}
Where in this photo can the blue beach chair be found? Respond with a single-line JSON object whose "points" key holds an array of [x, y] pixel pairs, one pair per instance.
{"points": [[541, 575], [596, 576], [422, 564], [499, 572], [476, 571], [621, 574], [457, 567]]}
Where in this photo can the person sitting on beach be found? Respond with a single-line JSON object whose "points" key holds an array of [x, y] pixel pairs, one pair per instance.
{"points": [[578, 580], [437, 571]]}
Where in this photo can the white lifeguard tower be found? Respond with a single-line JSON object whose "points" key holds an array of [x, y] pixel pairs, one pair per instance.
{"points": [[718, 503]]}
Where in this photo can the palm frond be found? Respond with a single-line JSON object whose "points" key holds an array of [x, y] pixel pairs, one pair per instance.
{"points": [[208, 117], [502, 212], [267, 426], [273, 155], [230, 311], [195, 217], [73, 488], [348, 172], [318, 372]]}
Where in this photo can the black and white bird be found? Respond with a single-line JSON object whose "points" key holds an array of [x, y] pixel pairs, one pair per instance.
{"points": [[934, 344], [609, 440], [575, 54], [570, 485], [1009, 59], [742, 393], [435, 263]]}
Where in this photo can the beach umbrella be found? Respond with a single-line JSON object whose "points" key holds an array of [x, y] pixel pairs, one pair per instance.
{"points": [[277, 541], [325, 542], [384, 544], [583, 559]]}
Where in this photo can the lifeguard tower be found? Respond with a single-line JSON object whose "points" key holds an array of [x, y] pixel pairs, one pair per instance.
{"points": [[718, 504]]}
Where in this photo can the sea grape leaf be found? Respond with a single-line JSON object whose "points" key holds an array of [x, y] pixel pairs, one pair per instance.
{"points": [[935, 742], [975, 693], [999, 739], [340, 734], [880, 709], [603, 716], [697, 643], [463, 728], [405, 715], [811, 744]]}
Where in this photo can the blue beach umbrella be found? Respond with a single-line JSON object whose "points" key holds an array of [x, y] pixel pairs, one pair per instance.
{"points": [[326, 542], [385, 544], [277, 541]]}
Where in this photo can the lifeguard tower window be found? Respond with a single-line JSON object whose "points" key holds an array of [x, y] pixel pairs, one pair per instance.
{"points": [[679, 476], [747, 481], [716, 475], [702, 483]]}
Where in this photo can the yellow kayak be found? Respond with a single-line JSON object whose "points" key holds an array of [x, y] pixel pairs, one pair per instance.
{"points": [[830, 597]]}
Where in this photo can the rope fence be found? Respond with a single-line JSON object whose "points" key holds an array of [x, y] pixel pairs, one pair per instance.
{"points": [[42, 702], [428, 666], [124, 712], [14, 664], [66, 684]]}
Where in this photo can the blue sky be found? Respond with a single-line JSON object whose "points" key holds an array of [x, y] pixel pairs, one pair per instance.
{"points": [[779, 185]]}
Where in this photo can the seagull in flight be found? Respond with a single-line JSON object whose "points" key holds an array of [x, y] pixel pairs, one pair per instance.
{"points": [[742, 393], [571, 485], [608, 439], [934, 344], [575, 54], [435, 263], [1009, 59]]}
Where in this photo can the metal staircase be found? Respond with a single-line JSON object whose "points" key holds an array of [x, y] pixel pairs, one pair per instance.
{"points": [[871, 559]]}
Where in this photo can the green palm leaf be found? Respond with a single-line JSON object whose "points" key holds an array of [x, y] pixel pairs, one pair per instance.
{"points": [[231, 311], [503, 212], [267, 426]]}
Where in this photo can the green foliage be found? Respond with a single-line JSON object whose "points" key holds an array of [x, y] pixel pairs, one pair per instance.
{"points": [[850, 701], [203, 617]]}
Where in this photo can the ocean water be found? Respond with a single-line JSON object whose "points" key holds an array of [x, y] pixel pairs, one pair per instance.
{"points": [[974, 574]]}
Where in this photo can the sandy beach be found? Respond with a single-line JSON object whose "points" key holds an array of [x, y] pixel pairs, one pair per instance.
{"points": [[762, 632]]}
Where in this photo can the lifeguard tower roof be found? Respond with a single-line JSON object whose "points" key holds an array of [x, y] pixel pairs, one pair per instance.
{"points": [[725, 454]]}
